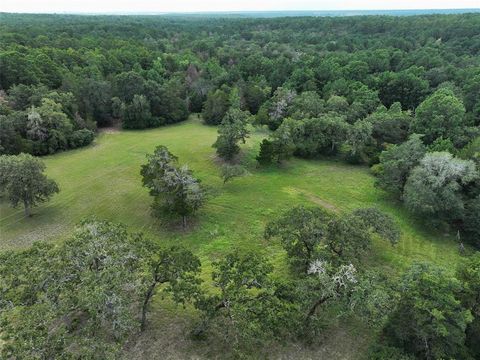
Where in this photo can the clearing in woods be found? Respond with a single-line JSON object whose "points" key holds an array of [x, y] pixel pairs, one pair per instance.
{"points": [[104, 180]]}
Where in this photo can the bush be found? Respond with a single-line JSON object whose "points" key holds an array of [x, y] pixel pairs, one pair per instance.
{"points": [[80, 138]]}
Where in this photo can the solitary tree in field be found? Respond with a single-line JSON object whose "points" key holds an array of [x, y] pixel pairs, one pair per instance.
{"points": [[232, 130], [228, 172], [23, 181], [174, 188]]}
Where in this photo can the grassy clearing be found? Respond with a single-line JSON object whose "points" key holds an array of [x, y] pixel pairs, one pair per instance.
{"points": [[104, 180]]}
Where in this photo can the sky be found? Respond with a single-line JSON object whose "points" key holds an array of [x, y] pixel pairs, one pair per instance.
{"points": [[157, 6]]}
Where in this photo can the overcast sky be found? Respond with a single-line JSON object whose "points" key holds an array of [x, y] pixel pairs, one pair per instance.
{"points": [[115, 6]]}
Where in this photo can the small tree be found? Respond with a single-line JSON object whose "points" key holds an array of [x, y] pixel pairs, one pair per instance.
{"points": [[228, 172], [232, 130], [279, 146], [174, 189], [23, 181]]}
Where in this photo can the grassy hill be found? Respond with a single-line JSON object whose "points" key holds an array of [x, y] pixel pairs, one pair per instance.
{"points": [[104, 180]]}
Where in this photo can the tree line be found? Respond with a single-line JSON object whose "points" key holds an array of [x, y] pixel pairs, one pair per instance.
{"points": [[63, 75]]}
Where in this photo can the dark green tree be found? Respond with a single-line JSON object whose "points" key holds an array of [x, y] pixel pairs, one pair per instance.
{"points": [[175, 189], [24, 182]]}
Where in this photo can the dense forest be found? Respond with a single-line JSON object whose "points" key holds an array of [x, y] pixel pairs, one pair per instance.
{"points": [[400, 95]]}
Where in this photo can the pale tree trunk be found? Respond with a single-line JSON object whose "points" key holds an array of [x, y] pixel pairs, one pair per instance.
{"points": [[184, 222]]}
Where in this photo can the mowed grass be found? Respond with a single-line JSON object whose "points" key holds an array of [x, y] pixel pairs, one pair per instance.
{"points": [[104, 180]]}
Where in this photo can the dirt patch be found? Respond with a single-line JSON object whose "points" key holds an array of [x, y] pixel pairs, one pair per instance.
{"points": [[313, 198], [109, 130]]}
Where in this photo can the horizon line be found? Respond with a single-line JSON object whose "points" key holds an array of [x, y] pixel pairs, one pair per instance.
{"points": [[226, 11]]}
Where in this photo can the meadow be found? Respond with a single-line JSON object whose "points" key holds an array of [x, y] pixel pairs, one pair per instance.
{"points": [[104, 180]]}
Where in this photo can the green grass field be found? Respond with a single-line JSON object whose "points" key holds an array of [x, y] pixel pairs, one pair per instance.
{"points": [[104, 180]]}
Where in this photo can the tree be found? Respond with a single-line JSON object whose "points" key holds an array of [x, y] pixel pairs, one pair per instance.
{"points": [[128, 84], [441, 115], [434, 187], [471, 221], [278, 107], [405, 87], [349, 236], [216, 106], [307, 233], [323, 284], [396, 163], [358, 138], [301, 231], [174, 268], [49, 127], [468, 273], [316, 136], [137, 113], [174, 189], [279, 146], [83, 298], [430, 320], [256, 93], [23, 181], [232, 130], [248, 307], [390, 126], [229, 172]]}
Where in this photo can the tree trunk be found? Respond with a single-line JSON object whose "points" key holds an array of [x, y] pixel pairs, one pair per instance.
{"points": [[27, 208], [148, 296], [314, 307], [184, 222]]}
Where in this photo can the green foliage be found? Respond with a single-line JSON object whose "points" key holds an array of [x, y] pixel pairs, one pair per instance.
{"points": [[301, 230], [471, 225], [434, 187], [279, 146], [405, 87], [23, 181], [307, 233], [82, 298], [312, 137], [137, 113], [469, 275], [441, 115], [249, 308], [174, 188], [229, 172], [430, 320], [216, 106], [390, 126], [232, 130], [396, 163], [323, 284]]}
